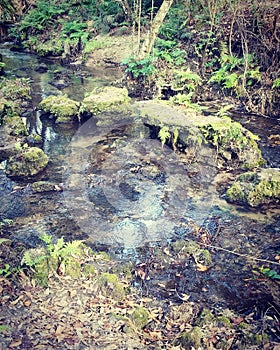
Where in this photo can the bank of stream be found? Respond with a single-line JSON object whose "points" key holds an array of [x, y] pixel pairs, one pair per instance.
{"points": [[123, 192]]}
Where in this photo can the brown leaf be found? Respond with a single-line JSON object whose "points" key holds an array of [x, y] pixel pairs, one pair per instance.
{"points": [[16, 342], [27, 302], [237, 320], [201, 267]]}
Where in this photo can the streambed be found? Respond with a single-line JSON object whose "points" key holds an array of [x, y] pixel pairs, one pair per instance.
{"points": [[125, 193]]}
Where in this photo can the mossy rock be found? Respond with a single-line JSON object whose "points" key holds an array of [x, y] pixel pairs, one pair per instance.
{"points": [[16, 89], [16, 125], [109, 286], [63, 108], [49, 48], [255, 189], [106, 99], [140, 317], [27, 162], [233, 142], [43, 186], [192, 339]]}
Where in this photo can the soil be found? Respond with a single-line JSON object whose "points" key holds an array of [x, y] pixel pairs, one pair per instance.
{"points": [[114, 50]]}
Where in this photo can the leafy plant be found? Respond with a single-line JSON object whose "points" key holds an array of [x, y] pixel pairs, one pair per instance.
{"points": [[235, 71], [164, 135], [139, 68], [270, 273], [54, 257], [276, 83]]}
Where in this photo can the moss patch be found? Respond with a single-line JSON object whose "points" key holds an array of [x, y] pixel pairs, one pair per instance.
{"points": [[140, 317], [27, 162], [108, 284], [106, 99], [16, 125], [256, 188], [63, 108]]}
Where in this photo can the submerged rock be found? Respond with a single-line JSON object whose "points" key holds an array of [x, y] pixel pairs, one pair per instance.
{"points": [[63, 108], [27, 162], [256, 188], [45, 186], [108, 98]]}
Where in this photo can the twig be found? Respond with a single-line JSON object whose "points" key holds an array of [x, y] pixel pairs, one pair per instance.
{"points": [[240, 254]]}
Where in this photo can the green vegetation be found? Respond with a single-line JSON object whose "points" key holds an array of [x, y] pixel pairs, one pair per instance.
{"points": [[229, 48], [139, 68], [58, 257]]}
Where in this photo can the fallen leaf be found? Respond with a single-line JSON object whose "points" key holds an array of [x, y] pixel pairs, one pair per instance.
{"points": [[16, 342], [27, 302], [201, 267]]}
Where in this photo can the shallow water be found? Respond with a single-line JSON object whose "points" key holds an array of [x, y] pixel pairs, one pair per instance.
{"points": [[122, 189]]}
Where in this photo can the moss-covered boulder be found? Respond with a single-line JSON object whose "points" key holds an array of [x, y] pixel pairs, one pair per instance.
{"points": [[106, 99], [232, 141], [27, 162], [63, 108], [15, 124], [234, 144], [256, 188]]}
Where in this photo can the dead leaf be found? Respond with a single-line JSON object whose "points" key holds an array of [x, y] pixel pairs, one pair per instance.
{"points": [[201, 267], [237, 320], [16, 342], [27, 302], [16, 301]]}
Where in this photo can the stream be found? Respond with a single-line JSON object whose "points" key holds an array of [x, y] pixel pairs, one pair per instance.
{"points": [[125, 193]]}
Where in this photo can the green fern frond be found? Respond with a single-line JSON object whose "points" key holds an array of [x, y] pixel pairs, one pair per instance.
{"points": [[164, 135]]}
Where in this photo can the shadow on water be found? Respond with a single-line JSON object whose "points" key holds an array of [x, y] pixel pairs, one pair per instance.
{"points": [[138, 200]]}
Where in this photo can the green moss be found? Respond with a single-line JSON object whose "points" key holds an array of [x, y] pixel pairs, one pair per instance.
{"points": [[140, 317], [192, 339], [108, 284], [16, 89], [16, 125], [72, 267], [107, 99], [206, 317], [88, 270], [52, 47], [231, 137], [255, 189], [223, 321], [62, 107], [191, 248], [27, 162]]}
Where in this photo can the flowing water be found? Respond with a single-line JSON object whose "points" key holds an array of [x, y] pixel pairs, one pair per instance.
{"points": [[122, 189]]}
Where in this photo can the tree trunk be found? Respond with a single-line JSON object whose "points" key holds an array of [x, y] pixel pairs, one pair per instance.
{"points": [[149, 41]]}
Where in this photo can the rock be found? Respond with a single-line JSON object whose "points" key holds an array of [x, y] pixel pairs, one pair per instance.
{"points": [[41, 68], [34, 139], [108, 285], [233, 143], [255, 189], [45, 186], [63, 108], [27, 162], [16, 125], [106, 99]]}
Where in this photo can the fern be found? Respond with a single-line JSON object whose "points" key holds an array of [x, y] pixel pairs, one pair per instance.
{"points": [[33, 257], [164, 135]]}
